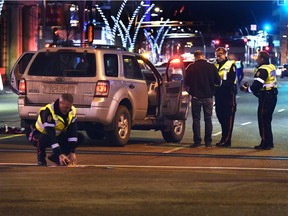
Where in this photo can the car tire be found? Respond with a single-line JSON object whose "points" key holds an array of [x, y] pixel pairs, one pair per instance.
{"points": [[175, 131], [121, 128]]}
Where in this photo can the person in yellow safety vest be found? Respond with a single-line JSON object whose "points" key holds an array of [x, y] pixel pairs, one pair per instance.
{"points": [[56, 127], [264, 87], [225, 96]]}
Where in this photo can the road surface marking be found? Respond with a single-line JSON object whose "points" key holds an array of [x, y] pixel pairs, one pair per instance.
{"points": [[281, 110], [11, 136], [216, 134], [246, 123], [173, 150]]}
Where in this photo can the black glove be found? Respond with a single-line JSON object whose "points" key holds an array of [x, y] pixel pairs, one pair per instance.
{"points": [[246, 84], [244, 87]]}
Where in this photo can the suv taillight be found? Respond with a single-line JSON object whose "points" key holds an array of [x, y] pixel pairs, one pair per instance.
{"points": [[22, 87], [102, 88]]}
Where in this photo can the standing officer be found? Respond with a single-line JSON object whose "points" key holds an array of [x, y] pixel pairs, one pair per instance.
{"points": [[202, 77], [56, 127], [225, 96], [264, 87]]}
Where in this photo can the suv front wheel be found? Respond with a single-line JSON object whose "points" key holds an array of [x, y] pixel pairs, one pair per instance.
{"points": [[121, 128], [175, 131]]}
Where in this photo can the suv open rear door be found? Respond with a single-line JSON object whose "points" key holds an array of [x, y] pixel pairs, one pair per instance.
{"points": [[18, 70], [175, 99]]}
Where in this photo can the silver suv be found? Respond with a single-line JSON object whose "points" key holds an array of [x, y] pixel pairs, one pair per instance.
{"points": [[115, 91]]}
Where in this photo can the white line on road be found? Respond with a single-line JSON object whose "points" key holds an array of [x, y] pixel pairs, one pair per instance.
{"points": [[281, 110], [216, 134], [154, 167], [246, 123], [173, 150]]}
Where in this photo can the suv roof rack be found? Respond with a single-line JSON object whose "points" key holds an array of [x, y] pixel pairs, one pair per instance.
{"points": [[86, 44], [106, 46]]}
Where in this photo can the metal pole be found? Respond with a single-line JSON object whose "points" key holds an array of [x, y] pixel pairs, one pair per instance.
{"points": [[204, 45]]}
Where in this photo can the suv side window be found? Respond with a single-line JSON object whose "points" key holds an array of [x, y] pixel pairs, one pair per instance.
{"points": [[146, 71], [70, 64], [131, 68], [111, 65]]}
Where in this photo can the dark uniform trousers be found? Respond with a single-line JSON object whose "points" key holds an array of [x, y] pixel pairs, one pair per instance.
{"points": [[225, 108], [267, 103], [41, 142]]}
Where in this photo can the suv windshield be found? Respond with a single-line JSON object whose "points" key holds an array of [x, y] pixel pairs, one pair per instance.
{"points": [[71, 64]]}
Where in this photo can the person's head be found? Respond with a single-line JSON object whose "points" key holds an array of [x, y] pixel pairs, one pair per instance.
{"points": [[65, 103], [263, 58], [198, 54], [221, 54]]}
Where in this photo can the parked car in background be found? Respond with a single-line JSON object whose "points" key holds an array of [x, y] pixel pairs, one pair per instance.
{"points": [[115, 91]]}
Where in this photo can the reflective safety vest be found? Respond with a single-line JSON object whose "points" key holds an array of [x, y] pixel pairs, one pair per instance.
{"points": [[225, 69], [59, 121], [271, 81]]}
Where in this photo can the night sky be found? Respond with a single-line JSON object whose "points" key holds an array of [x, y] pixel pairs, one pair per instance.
{"points": [[228, 16]]}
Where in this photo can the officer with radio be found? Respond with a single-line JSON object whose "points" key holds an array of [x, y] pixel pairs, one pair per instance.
{"points": [[264, 87], [225, 96]]}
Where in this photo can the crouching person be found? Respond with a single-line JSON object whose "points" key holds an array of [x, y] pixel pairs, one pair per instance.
{"points": [[56, 127]]}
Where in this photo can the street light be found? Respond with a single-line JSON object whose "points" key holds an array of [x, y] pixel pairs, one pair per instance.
{"points": [[203, 42]]}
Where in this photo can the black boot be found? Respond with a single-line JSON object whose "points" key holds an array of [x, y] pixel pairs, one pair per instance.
{"points": [[41, 159]]}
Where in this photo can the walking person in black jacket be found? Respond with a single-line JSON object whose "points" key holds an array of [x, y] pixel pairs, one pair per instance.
{"points": [[201, 78]]}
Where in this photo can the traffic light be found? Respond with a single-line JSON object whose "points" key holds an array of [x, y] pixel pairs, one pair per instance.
{"points": [[267, 49], [216, 42], [90, 32], [267, 27]]}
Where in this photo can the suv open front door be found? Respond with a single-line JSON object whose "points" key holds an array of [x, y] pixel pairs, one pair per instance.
{"points": [[18, 70], [175, 99]]}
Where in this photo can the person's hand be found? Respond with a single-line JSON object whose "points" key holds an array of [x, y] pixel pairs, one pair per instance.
{"points": [[246, 84], [64, 161], [72, 158], [244, 87]]}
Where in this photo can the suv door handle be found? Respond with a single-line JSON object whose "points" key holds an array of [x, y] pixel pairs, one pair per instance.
{"points": [[131, 86]]}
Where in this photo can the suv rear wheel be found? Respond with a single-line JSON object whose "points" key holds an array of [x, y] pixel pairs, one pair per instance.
{"points": [[121, 128], [175, 131]]}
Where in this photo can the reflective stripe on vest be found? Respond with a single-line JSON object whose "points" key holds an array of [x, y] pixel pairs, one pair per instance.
{"points": [[271, 81], [225, 69], [59, 122]]}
